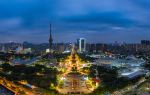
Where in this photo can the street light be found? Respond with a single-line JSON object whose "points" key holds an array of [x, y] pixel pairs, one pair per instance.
{"points": [[85, 78], [62, 78]]}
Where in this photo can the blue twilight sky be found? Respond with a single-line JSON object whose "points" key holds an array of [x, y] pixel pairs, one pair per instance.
{"points": [[96, 20]]}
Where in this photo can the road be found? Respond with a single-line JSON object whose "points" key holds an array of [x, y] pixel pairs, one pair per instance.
{"points": [[129, 88], [73, 81], [17, 89]]}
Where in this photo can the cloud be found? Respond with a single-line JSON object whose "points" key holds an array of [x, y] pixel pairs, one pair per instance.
{"points": [[108, 18], [7, 25], [93, 19], [145, 4]]}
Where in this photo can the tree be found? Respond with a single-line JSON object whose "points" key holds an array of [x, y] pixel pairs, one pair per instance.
{"points": [[6, 67]]}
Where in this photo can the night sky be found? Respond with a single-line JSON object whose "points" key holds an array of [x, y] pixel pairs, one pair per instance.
{"points": [[102, 21]]}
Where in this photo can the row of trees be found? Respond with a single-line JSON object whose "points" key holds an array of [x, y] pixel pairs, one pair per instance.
{"points": [[109, 79], [29, 73], [86, 58]]}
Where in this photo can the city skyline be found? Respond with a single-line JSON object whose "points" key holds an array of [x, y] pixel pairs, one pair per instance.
{"points": [[98, 21], [74, 47]]}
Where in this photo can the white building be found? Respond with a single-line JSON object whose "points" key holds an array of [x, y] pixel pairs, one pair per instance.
{"points": [[19, 49], [129, 67], [3, 49], [27, 50], [81, 42]]}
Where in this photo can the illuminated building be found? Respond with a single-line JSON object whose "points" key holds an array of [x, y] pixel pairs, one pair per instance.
{"points": [[145, 42], [81, 42], [19, 49]]}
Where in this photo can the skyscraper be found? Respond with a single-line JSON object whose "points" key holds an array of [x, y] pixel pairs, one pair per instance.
{"points": [[3, 48], [145, 42], [81, 42], [50, 40]]}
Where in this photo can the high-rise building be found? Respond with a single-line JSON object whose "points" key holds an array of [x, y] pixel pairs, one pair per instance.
{"points": [[81, 43], [3, 49], [145, 42], [19, 49], [27, 50]]}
